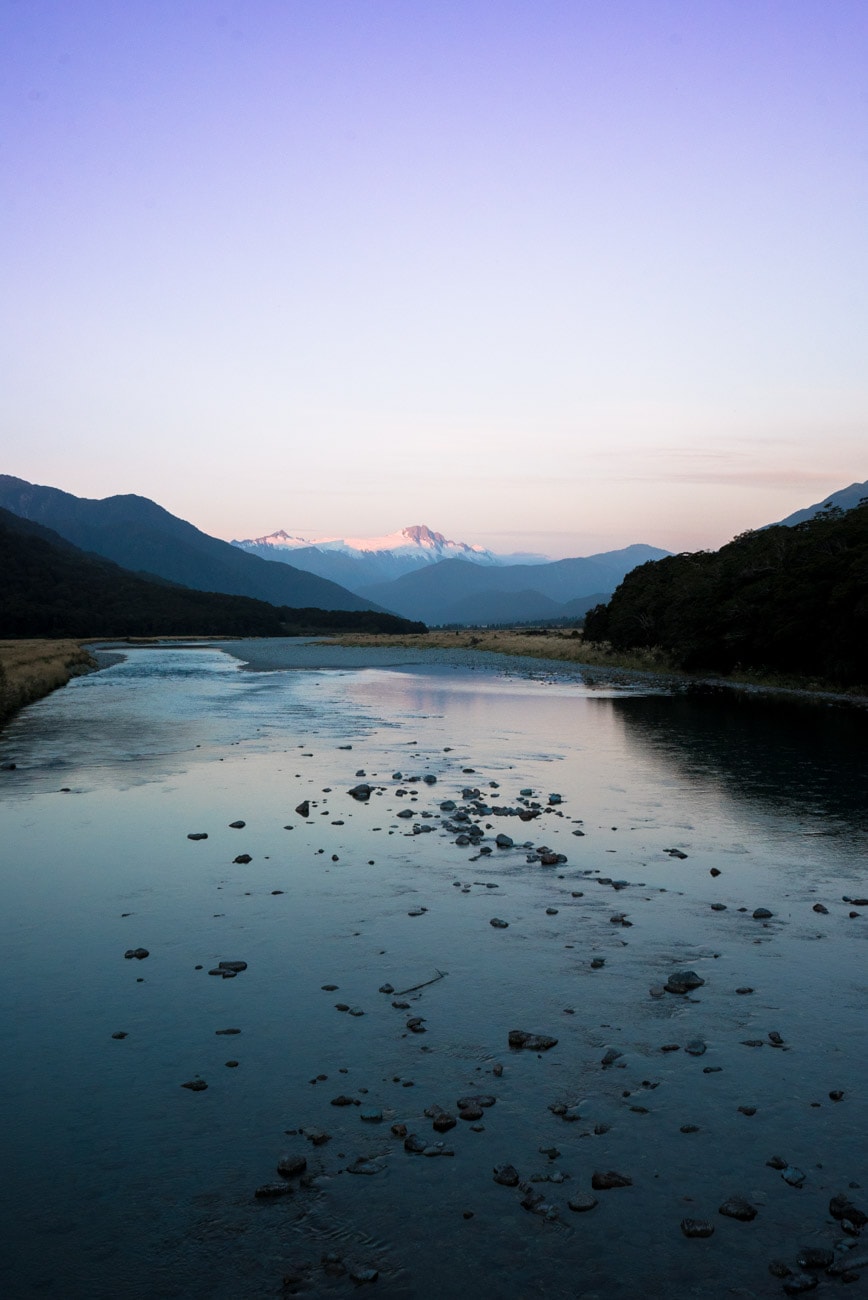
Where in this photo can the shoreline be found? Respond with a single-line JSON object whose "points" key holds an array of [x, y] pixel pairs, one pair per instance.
{"points": [[31, 669], [564, 647]]}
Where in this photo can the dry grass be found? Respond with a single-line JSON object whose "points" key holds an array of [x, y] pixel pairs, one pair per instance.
{"points": [[31, 669], [554, 644]]}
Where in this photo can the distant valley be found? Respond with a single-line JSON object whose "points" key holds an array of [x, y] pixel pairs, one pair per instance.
{"points": [[446, 582]]}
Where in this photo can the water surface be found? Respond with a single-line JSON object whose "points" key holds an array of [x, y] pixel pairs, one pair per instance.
{"points": [[119, 1181]]}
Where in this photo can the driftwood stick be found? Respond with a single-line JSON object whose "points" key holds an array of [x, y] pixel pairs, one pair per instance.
{"points": [[424, 985]]}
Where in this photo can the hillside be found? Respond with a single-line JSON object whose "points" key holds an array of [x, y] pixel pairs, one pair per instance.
{"points": [[457, 591], [49, 588], [785, 599], [143, 537]]}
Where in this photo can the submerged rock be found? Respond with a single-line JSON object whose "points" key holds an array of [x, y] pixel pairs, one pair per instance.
{"points": [[533, 1042], [738, 1208]]}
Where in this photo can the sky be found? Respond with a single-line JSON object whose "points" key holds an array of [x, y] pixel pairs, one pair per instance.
{"points": [[552, 276]]}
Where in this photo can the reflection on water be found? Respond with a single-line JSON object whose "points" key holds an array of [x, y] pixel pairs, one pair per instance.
{"points": [[120, 1182], [804, 761]]}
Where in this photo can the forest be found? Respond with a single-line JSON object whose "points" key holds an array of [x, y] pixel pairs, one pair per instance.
{"points": [[777, 601]]}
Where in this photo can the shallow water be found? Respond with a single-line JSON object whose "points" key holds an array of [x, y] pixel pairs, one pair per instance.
{"points": [[120, 1182]]}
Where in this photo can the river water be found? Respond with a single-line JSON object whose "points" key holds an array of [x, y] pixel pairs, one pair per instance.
{"points": [[675, 817]]}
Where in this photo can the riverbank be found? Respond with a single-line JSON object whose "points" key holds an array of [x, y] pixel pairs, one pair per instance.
{"points": [[31, 669], [568, 646]]}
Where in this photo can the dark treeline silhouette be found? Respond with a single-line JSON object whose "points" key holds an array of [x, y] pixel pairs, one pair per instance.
{"points": [[49, 588], [784, 600]]}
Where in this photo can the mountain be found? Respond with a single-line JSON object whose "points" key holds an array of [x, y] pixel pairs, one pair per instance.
{"points": [[783, 599], [845, 499], [141, 536], [455, 591], [50, 588], [358, 562]]}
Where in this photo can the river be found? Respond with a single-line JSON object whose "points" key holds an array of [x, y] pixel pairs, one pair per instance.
{"points": [[669, 820]]}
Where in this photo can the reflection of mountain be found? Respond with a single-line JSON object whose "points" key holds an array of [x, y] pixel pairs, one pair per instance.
{"points": [[799, 759]]}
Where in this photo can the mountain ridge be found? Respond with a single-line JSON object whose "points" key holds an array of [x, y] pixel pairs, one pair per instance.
{"points": [[141, 536]]}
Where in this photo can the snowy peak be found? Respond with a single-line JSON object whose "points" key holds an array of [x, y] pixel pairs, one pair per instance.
{"points": [[361, 561], [415, 544]]}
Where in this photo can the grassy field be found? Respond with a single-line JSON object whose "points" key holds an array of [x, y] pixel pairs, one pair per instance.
{"points": [[571, 647], [31, 669], [551, 644]]}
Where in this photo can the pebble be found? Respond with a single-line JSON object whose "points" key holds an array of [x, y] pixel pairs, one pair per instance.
{"points": [[237, 826], [291, 1166], [506, 1175], [604, 1181], [697, 1228], [737, 1208], [139, 953], [798, 1283], [683, 981], [268, 1190], [582, 1202], [532, 1042], [195, 1085], [197, 835], [498, 923]]}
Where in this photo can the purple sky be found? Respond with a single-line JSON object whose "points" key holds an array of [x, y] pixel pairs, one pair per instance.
{"points": [[556, 276]]}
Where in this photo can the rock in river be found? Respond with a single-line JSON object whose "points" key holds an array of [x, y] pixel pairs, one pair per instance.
{"points": [[533, 1042]]}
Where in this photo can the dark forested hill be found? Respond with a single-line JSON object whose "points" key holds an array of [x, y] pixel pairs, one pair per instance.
{"points": [[784, 600], [140, 535], [49, 588]]}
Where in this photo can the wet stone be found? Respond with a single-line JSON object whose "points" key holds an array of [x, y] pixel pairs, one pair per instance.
{"points": [[270, 1191], [138, 953], [317, 1136], [697, 1228], [195, 1085], [737, 1208], [198, 835], [237, 826], [498, 923], [815, 1257], [532, 1042], [683, 981], [604, 1181], [798, 1283], [506, 1175], [582, 1202], [762, 914], [243, 859], [291, 1166], [794, 1176], [695, 1047]]}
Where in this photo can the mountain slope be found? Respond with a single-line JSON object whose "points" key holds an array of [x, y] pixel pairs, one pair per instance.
{"points": [[445, 592], [50, 588], [140, 535], [845, 499]]}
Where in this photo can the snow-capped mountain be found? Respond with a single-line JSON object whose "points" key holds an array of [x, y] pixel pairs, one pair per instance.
{"points": [[361, 561]]}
